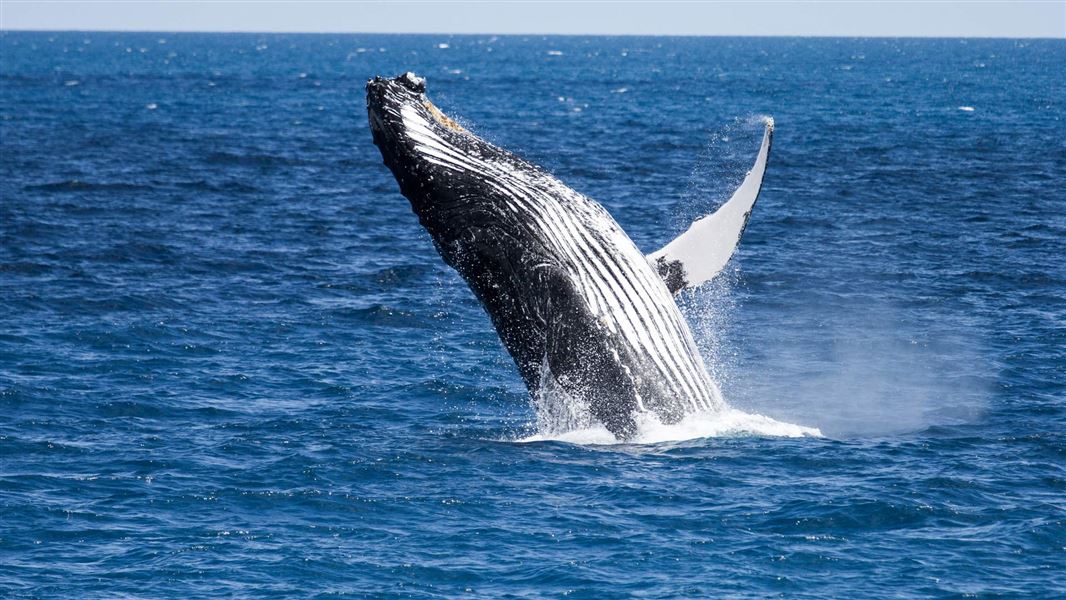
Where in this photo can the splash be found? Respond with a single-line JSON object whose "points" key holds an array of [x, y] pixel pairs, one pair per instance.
{"points": [[728, 422], [558, 412], [563, 418]]}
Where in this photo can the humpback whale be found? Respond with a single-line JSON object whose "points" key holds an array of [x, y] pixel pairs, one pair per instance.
{"points": [[575, 303]]}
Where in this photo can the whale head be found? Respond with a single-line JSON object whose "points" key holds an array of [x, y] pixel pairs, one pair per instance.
{"points": [[433, 158], [461, 187], [385, 100]]}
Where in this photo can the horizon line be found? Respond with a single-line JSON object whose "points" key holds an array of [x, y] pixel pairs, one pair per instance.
{"points": [[6, 30]]}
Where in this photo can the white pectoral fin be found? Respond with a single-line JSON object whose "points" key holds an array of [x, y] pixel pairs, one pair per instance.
{"points": [[701, 252]]}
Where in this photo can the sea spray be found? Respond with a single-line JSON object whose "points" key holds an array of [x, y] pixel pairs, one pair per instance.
{"points": [[871, 370], [557, 412]]}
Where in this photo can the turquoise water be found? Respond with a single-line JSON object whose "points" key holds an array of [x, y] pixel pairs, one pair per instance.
{"points": [[232, 364]]}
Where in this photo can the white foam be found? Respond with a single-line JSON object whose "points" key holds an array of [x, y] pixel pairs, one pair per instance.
{"points": [[966, 108], [729, 422]]}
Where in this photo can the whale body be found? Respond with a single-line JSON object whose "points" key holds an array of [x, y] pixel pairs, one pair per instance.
{"points": [[579, 308]]}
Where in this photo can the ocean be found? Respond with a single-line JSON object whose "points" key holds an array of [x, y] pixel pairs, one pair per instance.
{"points": [[232, 363]]}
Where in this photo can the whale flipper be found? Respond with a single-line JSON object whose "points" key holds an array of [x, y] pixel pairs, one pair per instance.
{"points": [[702, 251]]}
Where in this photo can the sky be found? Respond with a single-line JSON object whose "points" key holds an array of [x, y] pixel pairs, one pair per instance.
{"points": [[952, 18]]}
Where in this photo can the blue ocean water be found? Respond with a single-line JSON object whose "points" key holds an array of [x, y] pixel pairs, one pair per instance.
{"points": [[232, 364]]}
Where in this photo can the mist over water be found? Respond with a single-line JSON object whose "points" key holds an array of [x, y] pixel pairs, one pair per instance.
{"points": [[233, 364], [850, 370], [873, 374]]}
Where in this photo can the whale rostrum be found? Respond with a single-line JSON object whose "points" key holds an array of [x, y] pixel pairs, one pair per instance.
{"points": [[575, 303]]}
